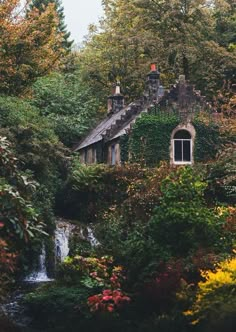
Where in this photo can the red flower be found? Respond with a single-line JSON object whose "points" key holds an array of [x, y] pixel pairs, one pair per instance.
{"points": [[107, 298], [93, 299], [106, 292], [110, 308]]}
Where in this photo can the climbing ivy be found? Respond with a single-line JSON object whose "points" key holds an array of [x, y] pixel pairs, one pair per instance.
{"points": [[207, 140], [150, 138], [149, 142]]}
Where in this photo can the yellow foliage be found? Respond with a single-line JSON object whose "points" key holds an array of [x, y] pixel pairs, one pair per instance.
{"points": [[215, 299]]}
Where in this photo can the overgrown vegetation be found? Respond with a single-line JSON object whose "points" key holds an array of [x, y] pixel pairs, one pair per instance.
{"points": [[164, 257]]}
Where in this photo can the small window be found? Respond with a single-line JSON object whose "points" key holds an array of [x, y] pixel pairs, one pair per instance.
{"points": [[85, 156], [94, 155], [113, 154], [182, 146]]}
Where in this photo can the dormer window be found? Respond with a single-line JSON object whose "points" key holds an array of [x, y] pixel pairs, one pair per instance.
{"points": [[182, 147]]}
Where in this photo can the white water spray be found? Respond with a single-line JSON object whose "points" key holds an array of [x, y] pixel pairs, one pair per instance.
{"points": [[62, 237], [41, 274]]}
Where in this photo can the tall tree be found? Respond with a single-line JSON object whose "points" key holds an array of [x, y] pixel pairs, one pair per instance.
{"points": [[41, 5], [122, 50], [180, 35], [30, 47]]}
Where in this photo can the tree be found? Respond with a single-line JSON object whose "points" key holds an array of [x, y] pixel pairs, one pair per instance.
{"points": [[191, 45], [121, 51], [183, 37], [29, 46], [68, 104], [41, 5]]}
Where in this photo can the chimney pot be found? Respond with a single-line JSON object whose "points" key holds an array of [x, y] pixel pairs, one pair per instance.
{"points": [[153, 67]]}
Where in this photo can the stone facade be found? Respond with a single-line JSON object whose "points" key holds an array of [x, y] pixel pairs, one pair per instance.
{"points": [[102, 145]]}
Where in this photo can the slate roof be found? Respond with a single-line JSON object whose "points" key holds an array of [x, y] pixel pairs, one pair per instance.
{"points": [[113, 126], [117, 124]]}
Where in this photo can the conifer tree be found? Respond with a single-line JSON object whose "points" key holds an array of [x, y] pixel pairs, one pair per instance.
{"points": [[62, 28]]}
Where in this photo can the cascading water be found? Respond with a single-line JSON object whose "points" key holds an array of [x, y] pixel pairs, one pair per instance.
{"points": [[14, 309], [92, 240], [41, 274], [62, 237]]}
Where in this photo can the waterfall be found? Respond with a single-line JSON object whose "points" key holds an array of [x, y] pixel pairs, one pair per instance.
{"points": [[92, 240], [41, 274], [62, 237]]}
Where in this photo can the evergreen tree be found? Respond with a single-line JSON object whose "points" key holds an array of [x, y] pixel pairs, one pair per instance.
{"points": [[62, 28]]}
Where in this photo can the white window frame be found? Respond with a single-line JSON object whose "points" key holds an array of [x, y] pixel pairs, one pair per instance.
{"points": [[191, 151]]}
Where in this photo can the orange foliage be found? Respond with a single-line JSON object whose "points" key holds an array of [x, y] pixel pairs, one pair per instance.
{"points": [[29, 45]]}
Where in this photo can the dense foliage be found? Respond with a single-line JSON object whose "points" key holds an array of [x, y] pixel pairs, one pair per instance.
{"points": [[195, 38], [209, 312], [163, 258], [29, 46], [67, 103], [42, 5], [20, 220], [90, 190], [164, 229]]}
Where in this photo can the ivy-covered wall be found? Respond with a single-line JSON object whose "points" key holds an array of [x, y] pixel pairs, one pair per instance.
{"points": [[207, 141], [149, 141]]}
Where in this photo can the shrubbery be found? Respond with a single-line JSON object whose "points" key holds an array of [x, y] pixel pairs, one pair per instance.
{"points": [[20, 221], [214, 308], [84, 286], [92, 190], [162, 226]]}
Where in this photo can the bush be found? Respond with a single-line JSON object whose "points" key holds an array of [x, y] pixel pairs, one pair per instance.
{"points": [[58, 306], [214, 308], [222, 175], [20, 221], [91, 190], [182, 222]]}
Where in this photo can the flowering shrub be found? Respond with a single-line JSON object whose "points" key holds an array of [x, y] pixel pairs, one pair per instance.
{"points": [[90, 271], [96, 274], [108, 301], [160, 288]]}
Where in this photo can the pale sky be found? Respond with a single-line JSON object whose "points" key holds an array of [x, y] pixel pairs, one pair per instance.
{"points": [[79, 14]]}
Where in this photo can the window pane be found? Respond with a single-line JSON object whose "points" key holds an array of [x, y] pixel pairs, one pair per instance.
{"points": [[186, 151], [178, 150], [182, 134], [113, 155]]}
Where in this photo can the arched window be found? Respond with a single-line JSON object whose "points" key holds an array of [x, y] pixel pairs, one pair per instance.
{"points": [[182, 147]]}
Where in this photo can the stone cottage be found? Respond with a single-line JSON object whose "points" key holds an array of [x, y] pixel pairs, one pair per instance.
{"points": [[102, 144]]}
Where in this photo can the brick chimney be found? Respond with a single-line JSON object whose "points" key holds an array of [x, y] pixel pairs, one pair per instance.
{"points": [[115, 102], [153, 82]]}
